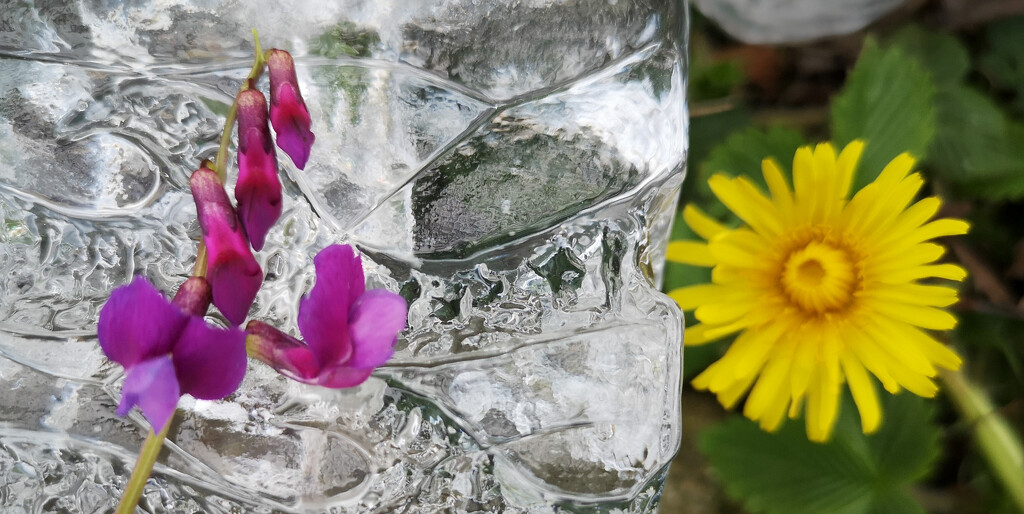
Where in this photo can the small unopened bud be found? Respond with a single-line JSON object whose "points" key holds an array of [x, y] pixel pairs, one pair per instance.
{"points": [[288, 111], [258, 190], [194, 296], [280, 351], [233, 272]]}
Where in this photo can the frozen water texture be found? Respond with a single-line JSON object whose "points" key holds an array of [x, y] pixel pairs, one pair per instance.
{"points": [[792, 21], [510, 167]]}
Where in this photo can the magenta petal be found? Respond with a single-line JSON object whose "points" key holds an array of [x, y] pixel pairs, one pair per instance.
{"points": [[293, 126], [236, 280], [152, 386], [138, 323], [323, 313], [339, 268], [343, 376], [374, 323], [209, 362], [233, 272], [258, 190]]}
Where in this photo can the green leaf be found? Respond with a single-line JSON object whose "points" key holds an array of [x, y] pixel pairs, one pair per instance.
{"points": [[941, 54], [977, 145], [742, 152], [888, 102], [1003, 63], [973, 138], [707, 132], [785, 473]]}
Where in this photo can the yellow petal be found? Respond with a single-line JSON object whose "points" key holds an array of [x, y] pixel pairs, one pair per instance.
{"points": [[691, 297], [915, 216], [719, 331], [863, 391], [694, 253], [771, 382], [762, 343], [731, 395], [742, 248], [722, 313], [888, 260], [896, 170], [873, 358], [890, 336], [924, 317], [915, 294], [698, 335], [924, 346], [940, 228], [946, 271], [830, 201], [847, 166], [822, 408], [777, 185], [750, 205], [705, 226]]}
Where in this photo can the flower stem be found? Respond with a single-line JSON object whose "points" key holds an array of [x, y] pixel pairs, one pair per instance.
{"points": [[221, 165], [143, 468], [259, 63], [154, 442], [992, 433]]}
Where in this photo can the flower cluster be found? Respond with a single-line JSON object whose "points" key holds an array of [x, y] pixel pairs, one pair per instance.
{"points": [[166, 346], [821, 289]]}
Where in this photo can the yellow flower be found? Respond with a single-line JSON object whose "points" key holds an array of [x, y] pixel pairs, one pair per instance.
{"points": [[823, 289]]}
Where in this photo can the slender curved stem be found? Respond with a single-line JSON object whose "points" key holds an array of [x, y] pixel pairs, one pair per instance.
{"points": [[154, 442], [993, 435], [259, 63], [143, 467]]}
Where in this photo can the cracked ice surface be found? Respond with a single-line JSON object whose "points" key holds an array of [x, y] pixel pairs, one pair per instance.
{"points": [[511, 167]]}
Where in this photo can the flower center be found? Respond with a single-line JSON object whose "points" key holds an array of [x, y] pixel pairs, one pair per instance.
{"points": [[819, 277]]}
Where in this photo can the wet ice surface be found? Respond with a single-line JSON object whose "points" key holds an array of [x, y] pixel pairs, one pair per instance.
{"points": [[511, 172]]}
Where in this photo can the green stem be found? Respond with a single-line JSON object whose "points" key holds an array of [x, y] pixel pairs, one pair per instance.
{"points": [[260, 62], [143, 468], [1001, 449], [154, 442]]}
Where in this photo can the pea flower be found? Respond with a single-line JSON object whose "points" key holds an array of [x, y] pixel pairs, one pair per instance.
{"points": [[167, 349], [234, 273], [821, 288], [258, 190], [288, 111], [348, 330]]}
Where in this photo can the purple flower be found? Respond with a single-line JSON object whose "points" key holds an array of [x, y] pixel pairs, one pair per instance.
{"points": [[258, 190], [233, 272], [348, 330], [288, 112], [167, 349]]}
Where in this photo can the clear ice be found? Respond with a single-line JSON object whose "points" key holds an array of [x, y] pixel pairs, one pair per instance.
{"points": [[510, 167]]}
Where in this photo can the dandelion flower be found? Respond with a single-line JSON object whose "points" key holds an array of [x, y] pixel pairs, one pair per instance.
{"points": [[821, 289]]}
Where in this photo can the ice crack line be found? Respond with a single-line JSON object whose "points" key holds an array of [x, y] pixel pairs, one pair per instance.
{"points": [[610, 69]]}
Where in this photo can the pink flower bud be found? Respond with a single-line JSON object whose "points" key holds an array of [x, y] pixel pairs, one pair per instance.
{"points": [[258, 190], [280, 351], [233, 272], [288, 112], [194, 296]]}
